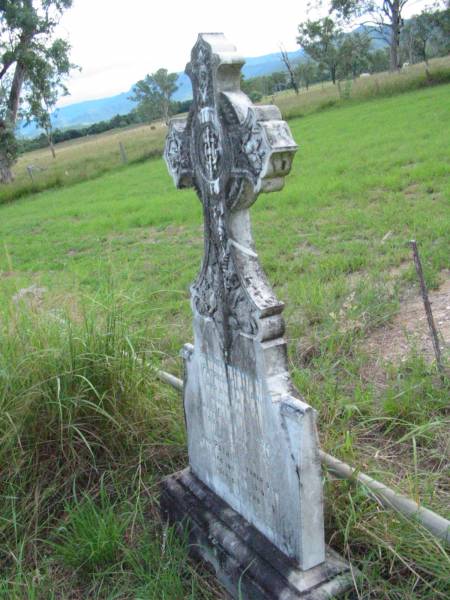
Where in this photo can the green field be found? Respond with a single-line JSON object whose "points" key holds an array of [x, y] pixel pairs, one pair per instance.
{"points": [[87, 431], [94, 155]]}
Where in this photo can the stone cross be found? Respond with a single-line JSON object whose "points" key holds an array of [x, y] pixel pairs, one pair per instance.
{"points": [[254, 473], [229, 151]]}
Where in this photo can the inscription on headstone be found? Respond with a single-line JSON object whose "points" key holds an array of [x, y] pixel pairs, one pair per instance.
{"points": [[251, 437]]}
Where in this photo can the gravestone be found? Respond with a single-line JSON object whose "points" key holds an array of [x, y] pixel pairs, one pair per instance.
{"points": [[251, 498]]}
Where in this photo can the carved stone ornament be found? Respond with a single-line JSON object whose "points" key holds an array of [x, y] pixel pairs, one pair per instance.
{"points": [[229, 151]]}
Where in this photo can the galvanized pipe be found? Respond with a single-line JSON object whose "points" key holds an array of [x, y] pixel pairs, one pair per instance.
{"points": [[171, 380], [435, 524]]}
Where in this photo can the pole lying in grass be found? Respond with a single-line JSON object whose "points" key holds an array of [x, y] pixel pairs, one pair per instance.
{"points": [[171, 380], [435, 524], [427, 305]]}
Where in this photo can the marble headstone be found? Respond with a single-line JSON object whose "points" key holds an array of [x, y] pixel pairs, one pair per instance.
{"points": [[254, 473]]}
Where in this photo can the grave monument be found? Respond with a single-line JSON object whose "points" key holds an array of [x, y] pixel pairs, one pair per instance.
{"points": [[251, 497]]}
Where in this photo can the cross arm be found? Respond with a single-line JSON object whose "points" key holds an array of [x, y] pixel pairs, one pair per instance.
{"points": [[176, 153]]}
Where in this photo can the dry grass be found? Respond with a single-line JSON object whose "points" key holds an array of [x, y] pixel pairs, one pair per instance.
{"points": [[325, 95], [84, 158]]}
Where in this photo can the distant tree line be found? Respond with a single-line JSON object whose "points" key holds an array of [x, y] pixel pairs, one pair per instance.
{"points": [[334, 55], [117, 122], [340, 55], [346, 54]]}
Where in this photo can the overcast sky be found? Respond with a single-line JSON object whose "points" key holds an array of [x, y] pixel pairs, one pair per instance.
{"points": [[116, 42]]}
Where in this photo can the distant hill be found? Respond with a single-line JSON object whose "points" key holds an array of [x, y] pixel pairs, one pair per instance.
{"points": [[92, 111]]}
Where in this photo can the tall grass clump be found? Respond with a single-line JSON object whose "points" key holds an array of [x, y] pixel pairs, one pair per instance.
{"points": [[84, 436]]}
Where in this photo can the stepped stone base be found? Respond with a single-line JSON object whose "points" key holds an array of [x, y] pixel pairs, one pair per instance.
{"points": [[246, 563]]}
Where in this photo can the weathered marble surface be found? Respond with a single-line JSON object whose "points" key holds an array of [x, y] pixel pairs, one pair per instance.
{"points": [[251, 437]]}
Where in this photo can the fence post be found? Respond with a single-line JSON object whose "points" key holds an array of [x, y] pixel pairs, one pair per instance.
{"points": [[123, 154]]}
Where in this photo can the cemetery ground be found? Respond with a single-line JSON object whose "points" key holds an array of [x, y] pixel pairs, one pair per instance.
{"points": [[93, 286]]}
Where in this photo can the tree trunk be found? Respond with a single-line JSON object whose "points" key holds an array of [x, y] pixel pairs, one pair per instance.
{"points": [[48, 134], [6, 175], [395, 35], [333, 74], [7, 158], [166, 113], [14, 96], [410, 48]]}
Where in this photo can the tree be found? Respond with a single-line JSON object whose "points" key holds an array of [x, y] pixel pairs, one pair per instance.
{"points": [[422, 30], [379, 60], [32, 63], [290, 69], [306, 73], [153, 95], [277, 81], [354, 54], [322, 41], [148, 102], [45, 86], [426, 35], [384, 16]]}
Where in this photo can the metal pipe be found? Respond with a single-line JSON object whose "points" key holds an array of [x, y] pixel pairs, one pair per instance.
{"points": [[171, 380], [435, 524]]}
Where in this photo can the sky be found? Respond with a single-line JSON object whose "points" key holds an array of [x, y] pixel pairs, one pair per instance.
{"points": [[117, 42]]}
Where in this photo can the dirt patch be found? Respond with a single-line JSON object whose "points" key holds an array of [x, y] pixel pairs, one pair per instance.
{"points": [[155, 235], [306, 248], [412, 190], [409, 329], [393, 275]]}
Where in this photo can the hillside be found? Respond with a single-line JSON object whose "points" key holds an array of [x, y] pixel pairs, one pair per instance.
{"points": [[95, 274]]}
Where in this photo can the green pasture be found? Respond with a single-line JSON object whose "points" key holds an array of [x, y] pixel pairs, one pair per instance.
{"points": [[91, 156], [95, 275]]}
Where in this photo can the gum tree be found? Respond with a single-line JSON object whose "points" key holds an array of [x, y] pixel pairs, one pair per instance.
{"points": [[153, 94], [384, 16], [322, 41], [33, 64]]}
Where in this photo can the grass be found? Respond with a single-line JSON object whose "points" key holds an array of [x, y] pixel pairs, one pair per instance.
{"points": [[326, 95], [87, 431], [92, 156], [83, 158]]}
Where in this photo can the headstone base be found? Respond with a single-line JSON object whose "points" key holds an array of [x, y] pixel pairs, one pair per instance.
{"points": [[246, 563]]}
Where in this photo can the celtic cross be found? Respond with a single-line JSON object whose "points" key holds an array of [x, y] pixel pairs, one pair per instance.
{"points": [[229, 150]]}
